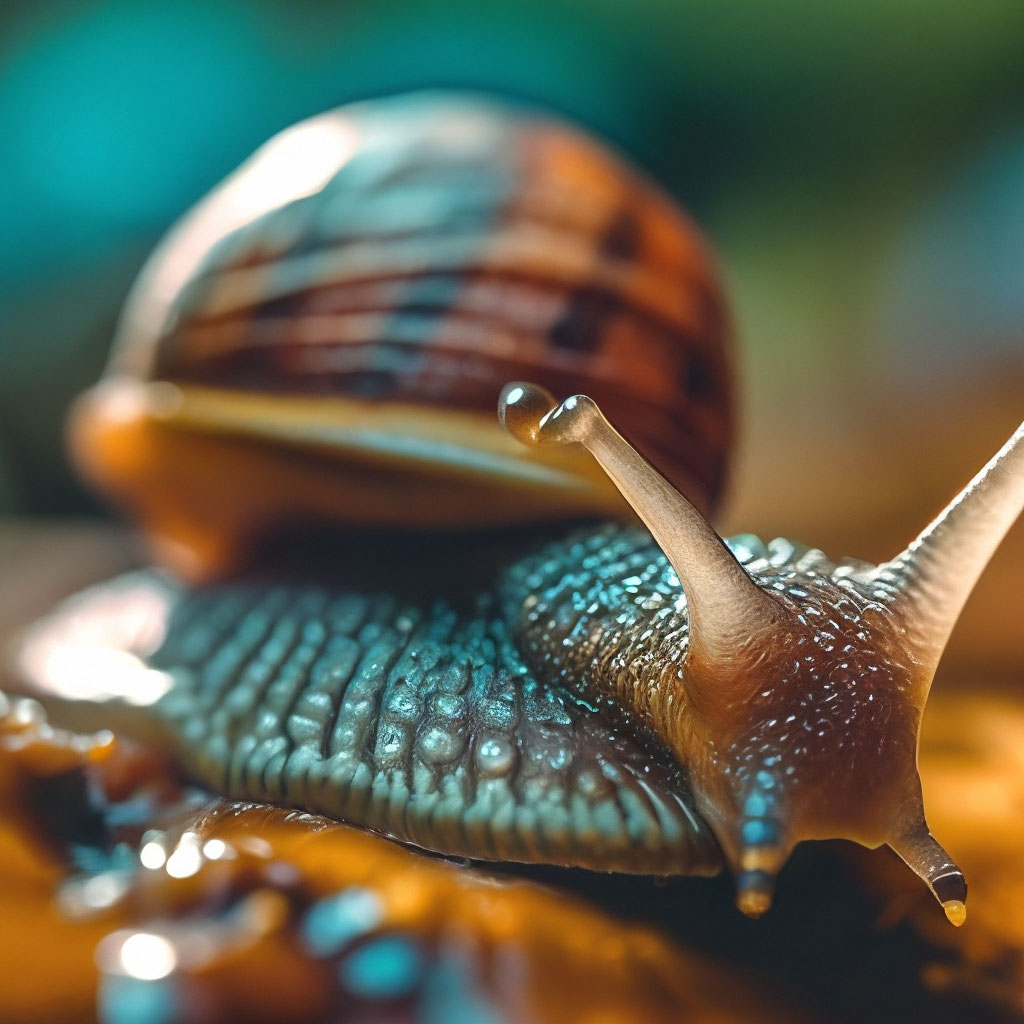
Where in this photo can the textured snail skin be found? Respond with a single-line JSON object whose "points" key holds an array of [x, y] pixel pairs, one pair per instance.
{"points": [[516, 714], [530, 707], [402, 699]]}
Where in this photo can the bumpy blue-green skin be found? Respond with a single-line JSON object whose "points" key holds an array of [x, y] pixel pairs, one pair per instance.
{"points": [[431, 716], [498, 697]]}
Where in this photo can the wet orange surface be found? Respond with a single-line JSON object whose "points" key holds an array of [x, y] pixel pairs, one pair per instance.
{"points": [[972, 767], [972, 764], [31, 869], [214, 916]]}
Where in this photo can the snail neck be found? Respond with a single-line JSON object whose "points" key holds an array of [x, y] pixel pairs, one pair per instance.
{"points": [[601, 612]]}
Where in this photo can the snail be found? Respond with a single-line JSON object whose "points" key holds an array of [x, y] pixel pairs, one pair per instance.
{"points": [[324, 338]]}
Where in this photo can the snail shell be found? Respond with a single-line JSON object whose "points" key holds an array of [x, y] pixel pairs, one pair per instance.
{"points": [[621, 699], [327, 332]]}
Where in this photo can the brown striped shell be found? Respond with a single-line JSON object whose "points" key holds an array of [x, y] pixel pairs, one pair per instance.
{"points": [[358, 292]]}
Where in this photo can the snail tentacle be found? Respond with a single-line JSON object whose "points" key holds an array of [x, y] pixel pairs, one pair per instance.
{"points": [[926, 858], [727, 609], [935, 575]]}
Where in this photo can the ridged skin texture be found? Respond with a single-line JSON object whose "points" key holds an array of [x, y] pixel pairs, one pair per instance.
{"points": [[417, 717], [512, 699], [815, 737]]}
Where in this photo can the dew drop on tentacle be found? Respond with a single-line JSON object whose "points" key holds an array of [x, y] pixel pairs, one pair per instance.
{"points": [[521, 409]]}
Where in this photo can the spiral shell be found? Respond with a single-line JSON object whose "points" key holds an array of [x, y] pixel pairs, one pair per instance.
{"points": [[358, 292]]}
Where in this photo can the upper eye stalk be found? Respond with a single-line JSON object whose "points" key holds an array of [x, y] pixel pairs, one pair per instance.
{"points": [[791, 730], [724, 603]]}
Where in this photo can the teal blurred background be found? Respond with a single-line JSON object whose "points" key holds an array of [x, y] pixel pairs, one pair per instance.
{"points": [[859, 166]]}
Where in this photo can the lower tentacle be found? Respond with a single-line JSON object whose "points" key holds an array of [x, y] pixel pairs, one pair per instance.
{"points": [[924, 856]]}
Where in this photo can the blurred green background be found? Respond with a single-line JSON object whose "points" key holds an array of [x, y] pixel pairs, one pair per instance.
{"points": [[859, 166]]}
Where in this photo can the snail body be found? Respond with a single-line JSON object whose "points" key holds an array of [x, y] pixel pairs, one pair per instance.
{"points": [[624, 699]]}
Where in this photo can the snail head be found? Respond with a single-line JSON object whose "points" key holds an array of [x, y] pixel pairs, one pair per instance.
{"points": [[798, 706]]}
